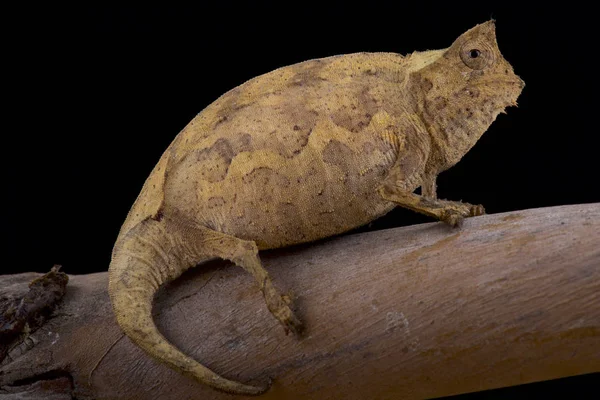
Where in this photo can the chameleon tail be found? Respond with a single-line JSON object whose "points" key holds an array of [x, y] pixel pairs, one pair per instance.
{"points": [[142, 260]]}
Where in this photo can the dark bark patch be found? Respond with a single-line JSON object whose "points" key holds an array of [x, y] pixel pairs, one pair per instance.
{"points": [[32, 309]]}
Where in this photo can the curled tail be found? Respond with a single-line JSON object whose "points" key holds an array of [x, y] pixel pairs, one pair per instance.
{"points": [[143, 259]]}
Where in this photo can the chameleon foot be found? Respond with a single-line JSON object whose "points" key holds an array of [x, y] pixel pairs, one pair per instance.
{"points": [[455, 214], [452, 218], [476, 210], [293, 324], [279, 307], [451, 212]]}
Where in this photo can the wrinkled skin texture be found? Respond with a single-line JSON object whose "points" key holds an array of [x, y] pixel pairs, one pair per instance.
{"points": [[302, 153]]}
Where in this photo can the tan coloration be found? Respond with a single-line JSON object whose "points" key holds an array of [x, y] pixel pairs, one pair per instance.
{"points": [[302, 153]]}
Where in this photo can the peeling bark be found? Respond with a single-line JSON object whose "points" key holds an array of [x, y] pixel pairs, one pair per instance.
{"points": [[21, 314]]}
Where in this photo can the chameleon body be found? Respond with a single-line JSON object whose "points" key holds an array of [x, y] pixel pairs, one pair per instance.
{"points": [[298, 154]]}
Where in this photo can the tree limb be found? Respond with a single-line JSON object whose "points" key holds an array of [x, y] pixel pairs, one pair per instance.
{"points": [[413, 312]]}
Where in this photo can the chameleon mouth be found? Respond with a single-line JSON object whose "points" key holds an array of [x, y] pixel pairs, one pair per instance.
{"points": [[505, 82], [506, 77], [509, 90]]}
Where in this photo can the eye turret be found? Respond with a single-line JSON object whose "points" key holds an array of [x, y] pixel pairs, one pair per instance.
{"points": [[476, 55]]}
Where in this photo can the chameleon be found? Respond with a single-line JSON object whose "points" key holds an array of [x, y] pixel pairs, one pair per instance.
{"points": [[302, 153]]}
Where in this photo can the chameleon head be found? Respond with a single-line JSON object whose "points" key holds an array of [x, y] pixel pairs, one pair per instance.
{"points": [[464, 88]]}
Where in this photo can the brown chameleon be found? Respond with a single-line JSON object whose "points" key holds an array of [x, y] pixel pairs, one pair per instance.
{"points": [[301, 153]]}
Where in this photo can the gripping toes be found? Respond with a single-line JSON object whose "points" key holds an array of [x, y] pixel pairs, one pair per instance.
{"points": [[291, 323], [476, 210], [245, 254], [452, 218], [278, 305], [455, 214]]}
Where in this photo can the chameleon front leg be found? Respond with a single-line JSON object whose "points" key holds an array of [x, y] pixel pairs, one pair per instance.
{"points": [[429, 187], [451, 212]]}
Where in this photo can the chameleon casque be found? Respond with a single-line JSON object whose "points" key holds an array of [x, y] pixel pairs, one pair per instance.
{"points": [[301, 153]]}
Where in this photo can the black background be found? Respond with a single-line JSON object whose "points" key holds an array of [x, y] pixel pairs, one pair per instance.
{"points": [[96, 94]]}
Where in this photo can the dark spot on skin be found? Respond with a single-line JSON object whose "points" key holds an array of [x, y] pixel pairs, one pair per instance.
{"points": [[264, 177], [368, 147], [408, 165], [440, 103], [360, 115], [221, 120], [215, 201], [237, 107], [243, 143], [228, 105], [212, 163], [159, 215], [293, 138], [287, 212], [215, 160], [308, 73], [337, 153], [473, 92], [426, 85]]}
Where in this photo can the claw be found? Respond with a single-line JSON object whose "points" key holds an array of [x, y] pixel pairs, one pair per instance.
{"points": [[477, 210], [293, 324], [453, 219], [287, 299]]}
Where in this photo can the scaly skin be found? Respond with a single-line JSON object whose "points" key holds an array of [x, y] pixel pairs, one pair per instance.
{"points": [[302, 153]]}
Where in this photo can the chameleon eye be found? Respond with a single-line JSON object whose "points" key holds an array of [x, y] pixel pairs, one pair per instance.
{"points": [[476, 55]]}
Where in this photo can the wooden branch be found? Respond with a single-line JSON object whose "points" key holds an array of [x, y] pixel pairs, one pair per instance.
{"points": [[413, 312]]}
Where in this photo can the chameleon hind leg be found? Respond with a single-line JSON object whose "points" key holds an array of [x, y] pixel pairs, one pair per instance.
{"points": [[244, 253]]}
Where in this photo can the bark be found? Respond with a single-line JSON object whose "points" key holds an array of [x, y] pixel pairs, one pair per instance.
{"points": [[413, 312]]}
